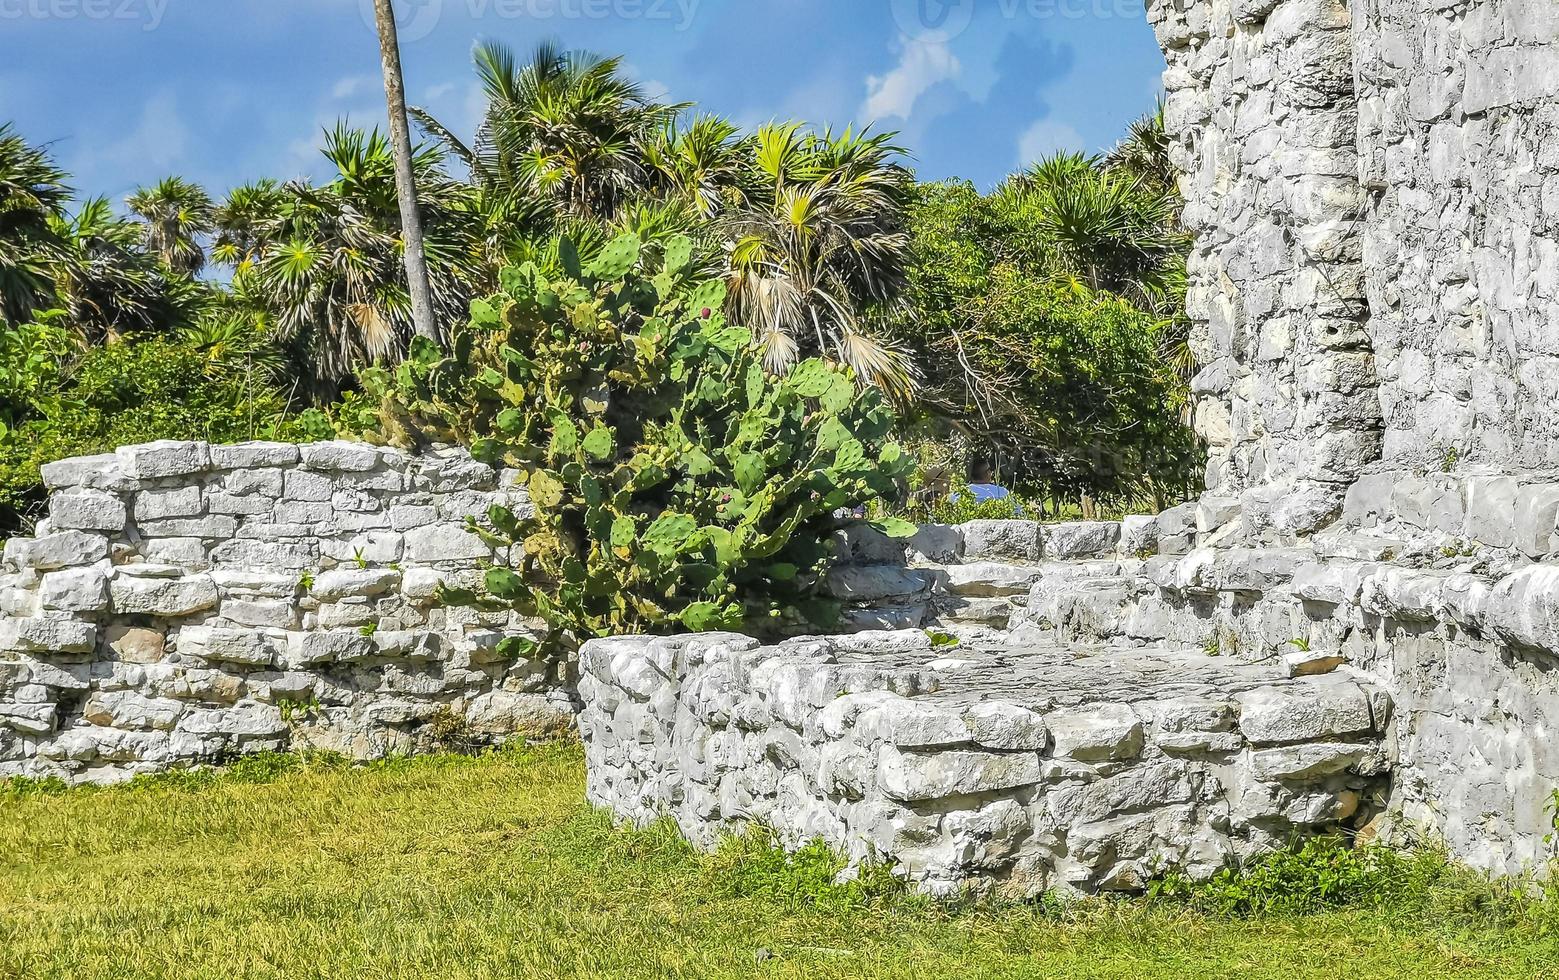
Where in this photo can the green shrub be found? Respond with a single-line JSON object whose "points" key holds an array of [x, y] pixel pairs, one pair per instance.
{"points": [[753, 865], [1322, 873], [127, 393], [677, 485]]}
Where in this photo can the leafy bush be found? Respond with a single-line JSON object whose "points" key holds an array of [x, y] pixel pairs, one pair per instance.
{"points": [[1322, 873], [676, 483], [123, 394], [753, 865]]}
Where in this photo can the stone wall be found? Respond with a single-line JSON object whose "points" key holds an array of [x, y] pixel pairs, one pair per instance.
{"points": [[1015, 769], [1374, 188], [184, 602]]}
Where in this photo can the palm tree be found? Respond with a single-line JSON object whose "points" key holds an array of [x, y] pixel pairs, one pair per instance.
{"points": [[242, 220], [327, 261], [108, 285], [1144, 151], [415, 255], [565, 127], [818, 242], [33, 196], [177, 213], [1100, 228]]}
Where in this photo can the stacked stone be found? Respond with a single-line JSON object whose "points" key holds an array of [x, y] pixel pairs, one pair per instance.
{"points": [[1261, 110], [185, 602], [984, 768], [1459, 136], [1466, 652]]}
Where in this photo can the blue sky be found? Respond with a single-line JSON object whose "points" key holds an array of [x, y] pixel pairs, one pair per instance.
{"points": [[224, 91]]}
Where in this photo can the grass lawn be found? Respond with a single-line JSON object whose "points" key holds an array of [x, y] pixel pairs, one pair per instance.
{"points": [[494, 867]]}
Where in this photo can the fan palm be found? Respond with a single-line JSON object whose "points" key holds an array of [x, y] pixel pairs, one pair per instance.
{"points": [[566, 127], [107, 284], [241, 222], [327, 261], [818, 243], [33, 196], [177, 213]]}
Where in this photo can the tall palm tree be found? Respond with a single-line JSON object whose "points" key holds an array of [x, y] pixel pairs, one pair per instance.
{"points": [[415, 255], [177, 213], [817, 244], [33, 196], [242, 222]]}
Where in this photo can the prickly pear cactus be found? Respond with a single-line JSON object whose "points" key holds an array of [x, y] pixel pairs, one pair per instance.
{"points": [[677, 484]]}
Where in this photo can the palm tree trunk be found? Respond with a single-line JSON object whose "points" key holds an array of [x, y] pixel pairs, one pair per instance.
{"points": [[405, 177]]}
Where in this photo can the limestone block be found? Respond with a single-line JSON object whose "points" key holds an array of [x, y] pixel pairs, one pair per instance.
{"points": [[79, 590], [1491, 510], [178, 502], [989, 579], [1081, 539], [405, 517], [912, 725], [1368, 500], [244, 647], [917, 776], [1305, 712], [445, 543], [29, 719], [252, 584], [339, 457], [155, 460], [1537, 519], [1523, 608], [303, 486], [341, 583], [45, 636], [255, 482], [245, 720], [1176, 529], [127, 709], [1008, 727], [996, 611], [212, 526], [1313, 760], [253, 455], [96, 472], [1096, 733], [135, 644], [84, 509], [305, 650], [134, 593], [1139, 535], [187, 553], [65, 549], [875, 583], [270, 613], [273, 556], [937, 544], [1012, 541], [246, 505], [1311, 663]]}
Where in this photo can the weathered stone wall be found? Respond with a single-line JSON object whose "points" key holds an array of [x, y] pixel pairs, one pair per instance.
{"points": [[1260, 103], [1017, 770], [183, 603], [1374, 189], [1458, 106]]}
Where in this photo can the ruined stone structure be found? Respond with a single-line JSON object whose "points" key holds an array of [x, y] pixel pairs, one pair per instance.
{"points": [[1356, 627], [183, 603], [1374, 190]]}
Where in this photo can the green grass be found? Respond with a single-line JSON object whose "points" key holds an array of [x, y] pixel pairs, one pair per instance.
{"points": [[493, 867]]}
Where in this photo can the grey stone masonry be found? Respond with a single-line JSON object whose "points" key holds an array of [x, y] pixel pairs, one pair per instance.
{"points": [[183, 603], [987, 767]]}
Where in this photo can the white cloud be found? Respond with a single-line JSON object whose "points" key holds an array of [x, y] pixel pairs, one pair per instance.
{"points": [[1046, 137], [920, 67], [155, 147], [348, 87]]}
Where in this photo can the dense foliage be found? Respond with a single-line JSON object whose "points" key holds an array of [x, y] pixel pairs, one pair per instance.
{"points": [[1047, 320], [114, 396], [1040, 325], [676, 482]]}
